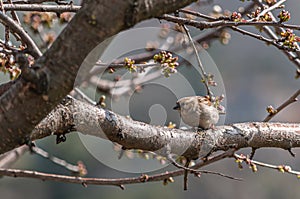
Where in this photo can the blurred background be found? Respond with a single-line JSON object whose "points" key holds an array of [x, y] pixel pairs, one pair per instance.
{"points": [[255, 75]]}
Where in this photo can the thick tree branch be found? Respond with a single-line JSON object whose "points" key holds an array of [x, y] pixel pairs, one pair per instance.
{"points": [[23, 106], [98, 122]]}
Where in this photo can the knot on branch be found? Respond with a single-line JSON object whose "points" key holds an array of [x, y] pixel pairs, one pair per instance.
{"points": [[38, 78]]}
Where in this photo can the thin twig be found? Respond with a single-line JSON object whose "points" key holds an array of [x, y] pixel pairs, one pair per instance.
{"points": [[198, 171], [216, 158], [259, 37], [265, 11], [292, 57], [198, 14], [203, 73], [99, 66], [56, 160], [262, 38], [13, 13], [289, 101], [122, 86], [224, 23], [253, 163]]}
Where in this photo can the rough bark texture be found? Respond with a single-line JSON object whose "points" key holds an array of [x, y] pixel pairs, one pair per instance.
{"points": [[98, 122], [22, 107]]}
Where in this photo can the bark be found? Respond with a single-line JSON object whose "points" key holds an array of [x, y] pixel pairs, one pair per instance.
{"points": [[98, 122], [31, 98]]}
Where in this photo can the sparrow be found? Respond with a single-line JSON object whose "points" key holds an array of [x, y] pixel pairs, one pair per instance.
{"points": [[197, 111]]}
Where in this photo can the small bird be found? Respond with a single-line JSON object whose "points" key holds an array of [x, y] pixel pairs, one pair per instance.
{"points": [[197, 111]]}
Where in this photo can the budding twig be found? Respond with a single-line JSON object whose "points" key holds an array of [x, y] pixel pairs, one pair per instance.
{"points": [[265, 11], [289, 101], [253, 163]]}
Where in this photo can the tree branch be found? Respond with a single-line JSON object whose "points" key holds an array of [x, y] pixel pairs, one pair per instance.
{"points": [[269, 9], [13, 13], [253, 164], [98, 122], [75, 169], [100, 181], [294, 57], [274, 38], [223, 23], [289, 101]]}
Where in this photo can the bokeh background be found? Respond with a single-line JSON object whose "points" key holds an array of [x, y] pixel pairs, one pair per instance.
{"points": [[255, 75]]}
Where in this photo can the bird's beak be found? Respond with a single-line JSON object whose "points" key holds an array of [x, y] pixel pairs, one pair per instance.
{"points": [[177, 107]]}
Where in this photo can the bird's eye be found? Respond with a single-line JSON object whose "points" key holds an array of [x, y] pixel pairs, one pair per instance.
{"points": [[177, 107]]}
